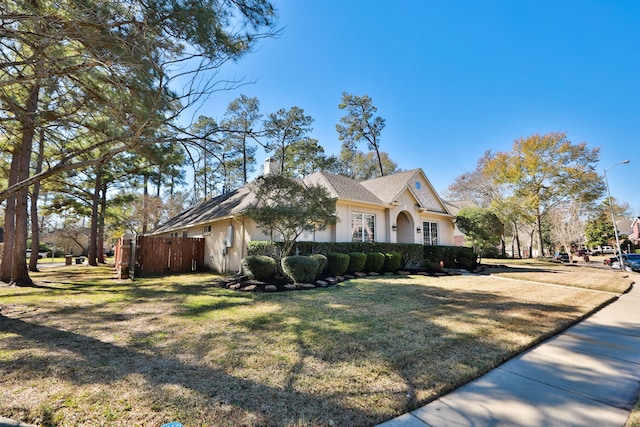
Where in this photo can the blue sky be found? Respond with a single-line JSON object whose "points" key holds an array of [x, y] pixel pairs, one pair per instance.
{"points": [[455, 78]]}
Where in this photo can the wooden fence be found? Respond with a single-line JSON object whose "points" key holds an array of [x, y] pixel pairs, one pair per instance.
{"points": [[150, 255]]}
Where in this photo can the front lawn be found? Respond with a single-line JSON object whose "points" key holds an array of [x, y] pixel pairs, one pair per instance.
{"points": [[84, 349]]}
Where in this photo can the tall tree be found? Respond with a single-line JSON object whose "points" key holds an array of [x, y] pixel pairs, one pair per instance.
{"points": [[105, 58], [240, 119], [283, 129], [362, 166], [306, 157], [546, 170], [359, 124]]}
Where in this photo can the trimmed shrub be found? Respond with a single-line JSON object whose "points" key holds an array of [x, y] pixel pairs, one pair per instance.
{"points": [[322, 262], [375, 261], [357, 261], [337, 262], [259, 267], [392, 261], [299, 268], [452, 256]]}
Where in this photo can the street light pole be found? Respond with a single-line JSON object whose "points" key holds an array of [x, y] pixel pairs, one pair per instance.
{"points": [[613, 218]]}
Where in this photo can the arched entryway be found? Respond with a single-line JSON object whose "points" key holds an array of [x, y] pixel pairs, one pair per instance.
{"points": [[404, 228]]}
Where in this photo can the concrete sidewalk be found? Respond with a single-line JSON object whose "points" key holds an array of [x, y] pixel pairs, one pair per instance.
{"points": [[589, 375]]}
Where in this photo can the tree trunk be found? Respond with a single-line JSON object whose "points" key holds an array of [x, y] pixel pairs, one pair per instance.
{"points": [[35, 226], [379, 160], [145, 203], [103, 209], [515, 227], [15, 252], [93, 226], [540, 238]]}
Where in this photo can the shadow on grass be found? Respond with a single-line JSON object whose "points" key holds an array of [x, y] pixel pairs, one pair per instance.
{"points": [[397, 326], [104, 363]]}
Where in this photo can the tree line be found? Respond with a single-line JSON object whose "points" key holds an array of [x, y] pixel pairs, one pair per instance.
{"points": [[544, 194], [91, 93]]}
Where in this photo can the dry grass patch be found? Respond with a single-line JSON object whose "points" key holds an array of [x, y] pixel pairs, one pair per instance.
{"points": [[83, 349], [588, 276]]}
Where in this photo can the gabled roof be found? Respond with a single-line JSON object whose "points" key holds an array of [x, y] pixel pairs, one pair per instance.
{"points": [[378, 191], [455, 205], [222, 206], [387, 188], [343, 187]]}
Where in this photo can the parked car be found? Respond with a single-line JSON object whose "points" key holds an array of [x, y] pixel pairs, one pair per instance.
{"points": [[561, 256], [631, 262], [602, 250]]}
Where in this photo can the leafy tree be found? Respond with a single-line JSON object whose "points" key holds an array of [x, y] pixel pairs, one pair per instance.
{"points": [[306, 157], [359, 124], [284, 129], [482, 226], [362, 166], [543, 171], [288, 207], [242, 114], [205, 160], [599, 228]]}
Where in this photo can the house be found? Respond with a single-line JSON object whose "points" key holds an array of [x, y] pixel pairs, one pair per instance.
{"points": [[634, 236], [399, 208], [459, 238]]}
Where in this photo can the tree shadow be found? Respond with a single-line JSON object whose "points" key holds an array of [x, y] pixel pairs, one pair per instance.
{"points": [[363, 327], [103, 362]]}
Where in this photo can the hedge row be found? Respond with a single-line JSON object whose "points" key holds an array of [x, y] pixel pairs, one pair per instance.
{"points": [[305, 269], [407, 251], [451, 256]]}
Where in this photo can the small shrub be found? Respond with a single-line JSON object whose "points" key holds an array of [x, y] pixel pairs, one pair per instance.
{"points": [[322, 262], [392, 261], [337, 262], [299, 268], [259, 267], [375, 261], [357, 261]]}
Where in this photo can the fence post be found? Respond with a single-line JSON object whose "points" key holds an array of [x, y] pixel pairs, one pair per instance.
{"points": [[124, 258]]}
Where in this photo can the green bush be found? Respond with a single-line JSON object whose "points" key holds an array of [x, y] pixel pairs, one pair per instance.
{"points": [[392, 261], [337, 262], [259, 267], [452, 256], [375, 261], [322, 262], [407, 251], [357, 261], [299, 268]]}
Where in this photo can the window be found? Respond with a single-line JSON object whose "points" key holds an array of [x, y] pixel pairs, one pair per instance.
{"points": [[206, 229], [184, 234], [430, 233], [363, 227]]}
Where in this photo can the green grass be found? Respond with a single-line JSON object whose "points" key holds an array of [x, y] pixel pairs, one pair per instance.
{"points": [[82, 348]]}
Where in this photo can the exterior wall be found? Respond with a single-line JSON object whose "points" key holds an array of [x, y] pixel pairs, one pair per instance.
{"points": [[445, 229], [343, 227], [406, 205]]}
